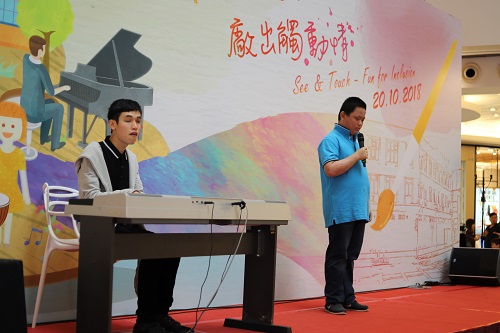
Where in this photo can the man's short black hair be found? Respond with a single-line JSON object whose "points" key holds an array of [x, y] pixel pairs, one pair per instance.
{"points": [[493, 214], [122, 105], [350, 104]]}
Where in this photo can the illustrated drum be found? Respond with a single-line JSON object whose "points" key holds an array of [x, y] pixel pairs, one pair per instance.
{"points": [[4, 207]]}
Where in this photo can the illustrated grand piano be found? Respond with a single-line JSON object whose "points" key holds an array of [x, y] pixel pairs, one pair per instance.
{"points": [[106, 78], [100, 247]]}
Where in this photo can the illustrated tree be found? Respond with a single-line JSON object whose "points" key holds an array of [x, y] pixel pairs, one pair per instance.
{"points": [[52, 20]]}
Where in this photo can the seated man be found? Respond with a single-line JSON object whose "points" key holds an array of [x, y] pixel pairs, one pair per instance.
{"points": [[36, 81], [108, 166], [495, 243]]}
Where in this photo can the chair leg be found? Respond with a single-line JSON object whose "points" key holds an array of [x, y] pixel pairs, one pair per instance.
{"points": [[29, 136], [43, 273], [30, 153]]}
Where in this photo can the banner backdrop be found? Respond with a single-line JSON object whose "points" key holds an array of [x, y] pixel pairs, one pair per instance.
{"points": [[237, 96]]}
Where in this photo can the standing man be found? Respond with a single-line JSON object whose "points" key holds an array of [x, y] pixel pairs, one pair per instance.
{"points": [[491, 231], [36, 81], [109, 167], [346, 197]]}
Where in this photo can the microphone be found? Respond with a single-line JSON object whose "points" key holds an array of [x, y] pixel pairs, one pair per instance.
{"points": [[361, 141]]}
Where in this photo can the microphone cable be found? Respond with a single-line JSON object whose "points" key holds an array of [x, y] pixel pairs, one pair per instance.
{"points": [[229, 261]]}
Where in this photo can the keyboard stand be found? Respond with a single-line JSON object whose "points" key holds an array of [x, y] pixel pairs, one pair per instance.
{"points": [[100, 247]]}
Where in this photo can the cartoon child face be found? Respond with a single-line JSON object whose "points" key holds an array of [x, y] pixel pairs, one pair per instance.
{"points": [[10, 129]]}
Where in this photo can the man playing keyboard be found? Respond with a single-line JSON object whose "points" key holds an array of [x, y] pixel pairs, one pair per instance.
{"points": [[109, 167]]}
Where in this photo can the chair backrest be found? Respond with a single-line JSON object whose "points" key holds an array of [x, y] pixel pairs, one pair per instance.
{"points": [[55, 198]]}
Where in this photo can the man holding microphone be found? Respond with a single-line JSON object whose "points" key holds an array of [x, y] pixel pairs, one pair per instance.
{"points": [[346, 200]]}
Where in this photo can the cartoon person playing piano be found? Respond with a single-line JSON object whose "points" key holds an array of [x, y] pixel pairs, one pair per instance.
{"points": [[36, 81], [12, 162]]}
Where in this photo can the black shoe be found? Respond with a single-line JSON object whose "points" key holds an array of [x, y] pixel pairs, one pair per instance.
{"points": [[335, 308], [173, 326], [49, 138], [149, 327], [356, 306], [60, 146]]}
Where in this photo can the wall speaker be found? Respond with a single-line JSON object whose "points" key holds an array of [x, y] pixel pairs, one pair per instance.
{"points": [[475, 266], [12, 302], [471, 72]]}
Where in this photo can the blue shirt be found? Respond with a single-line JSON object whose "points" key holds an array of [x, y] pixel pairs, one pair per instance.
{"points": [[346, 198]]}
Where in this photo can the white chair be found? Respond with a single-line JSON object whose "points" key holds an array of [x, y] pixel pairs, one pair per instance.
{"points": [[54, 199], [30, 153]]}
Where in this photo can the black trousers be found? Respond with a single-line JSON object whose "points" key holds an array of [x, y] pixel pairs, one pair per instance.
{"points": [[155, 282], [345, 241]]}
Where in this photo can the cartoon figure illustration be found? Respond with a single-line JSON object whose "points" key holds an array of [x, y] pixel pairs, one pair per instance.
{"points": [[36, 81], [12, 128]]}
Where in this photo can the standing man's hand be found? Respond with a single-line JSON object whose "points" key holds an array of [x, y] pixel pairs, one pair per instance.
{"points": [[362, 154]]}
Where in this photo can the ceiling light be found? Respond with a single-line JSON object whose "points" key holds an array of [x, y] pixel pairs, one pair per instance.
{"points": [[495, 115], [493, 109], [471, 98]]}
